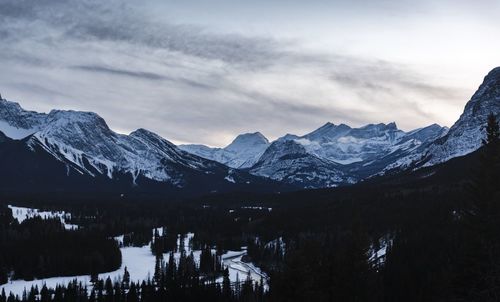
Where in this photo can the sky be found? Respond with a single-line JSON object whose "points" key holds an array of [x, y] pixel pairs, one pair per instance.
{"points": [[206, 71]]}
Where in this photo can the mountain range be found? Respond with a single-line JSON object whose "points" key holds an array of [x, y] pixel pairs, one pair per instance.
{"points": [[64, 150], [72, 150]]}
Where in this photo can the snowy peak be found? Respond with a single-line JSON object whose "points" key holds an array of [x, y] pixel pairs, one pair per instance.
{"points": [[486, 98], [288, 161], [431, 132], [151, 138], [17, 123], [247, 140], [288, 137], [242, 153], [381, 127], [77, 125], [466, 134], [328, 132], [375, 130]]}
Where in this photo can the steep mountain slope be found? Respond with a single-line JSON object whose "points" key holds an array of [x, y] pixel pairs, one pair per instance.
{"points": [[412, 146], [346, 145], [17, 123], [289, 161], [83, 143], [466, 134], [243, 152]]}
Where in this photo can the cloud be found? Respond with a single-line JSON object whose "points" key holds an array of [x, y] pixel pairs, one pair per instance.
{"points": [[191, 84], [121, 72], [392, 79], [116, 22]]}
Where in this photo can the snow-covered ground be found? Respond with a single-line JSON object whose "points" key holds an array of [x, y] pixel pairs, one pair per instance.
{"points": [[21, 214], [377, 254], [140, 262], [257, 208], [239, 270]]}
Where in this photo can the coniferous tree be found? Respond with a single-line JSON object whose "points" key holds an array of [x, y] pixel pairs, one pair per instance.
{"points": [[226, 285], [479, 274], [126, 278], [487, 182]]}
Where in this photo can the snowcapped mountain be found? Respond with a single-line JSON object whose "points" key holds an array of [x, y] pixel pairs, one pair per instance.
{"points": [[17, 123], [338, 154], [80, 144], [290, 162], [466, 135], [242, 153], [329, 156], [84, 143], [346, 145]]}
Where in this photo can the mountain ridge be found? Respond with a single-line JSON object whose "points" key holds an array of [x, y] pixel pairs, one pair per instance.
{"points": [[329, 156], [83, 144]]}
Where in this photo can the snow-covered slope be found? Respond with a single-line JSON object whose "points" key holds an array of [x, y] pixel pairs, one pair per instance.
{"points": [[466, 135], [84, 143], [338, 154], [18, 123], [289, 161], [410, 148], [243, 152], [345, 145], [329, 156]]}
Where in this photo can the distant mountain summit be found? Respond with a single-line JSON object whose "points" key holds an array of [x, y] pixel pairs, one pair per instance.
{"points": [[289, 161], [336, 155], [329, 156], [242, 153]]}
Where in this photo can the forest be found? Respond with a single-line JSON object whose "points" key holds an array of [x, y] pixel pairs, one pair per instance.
{"points": [[441, 236]]}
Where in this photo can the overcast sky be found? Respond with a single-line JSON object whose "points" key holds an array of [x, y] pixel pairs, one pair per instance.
{"points": [[205, 71]]}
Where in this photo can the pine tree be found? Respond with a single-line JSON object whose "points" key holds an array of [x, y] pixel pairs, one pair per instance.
{"points": [[492, 131], [126, 278], [132, 293], [226, 284], [94, 277], [480, 267], [485, 186]]}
